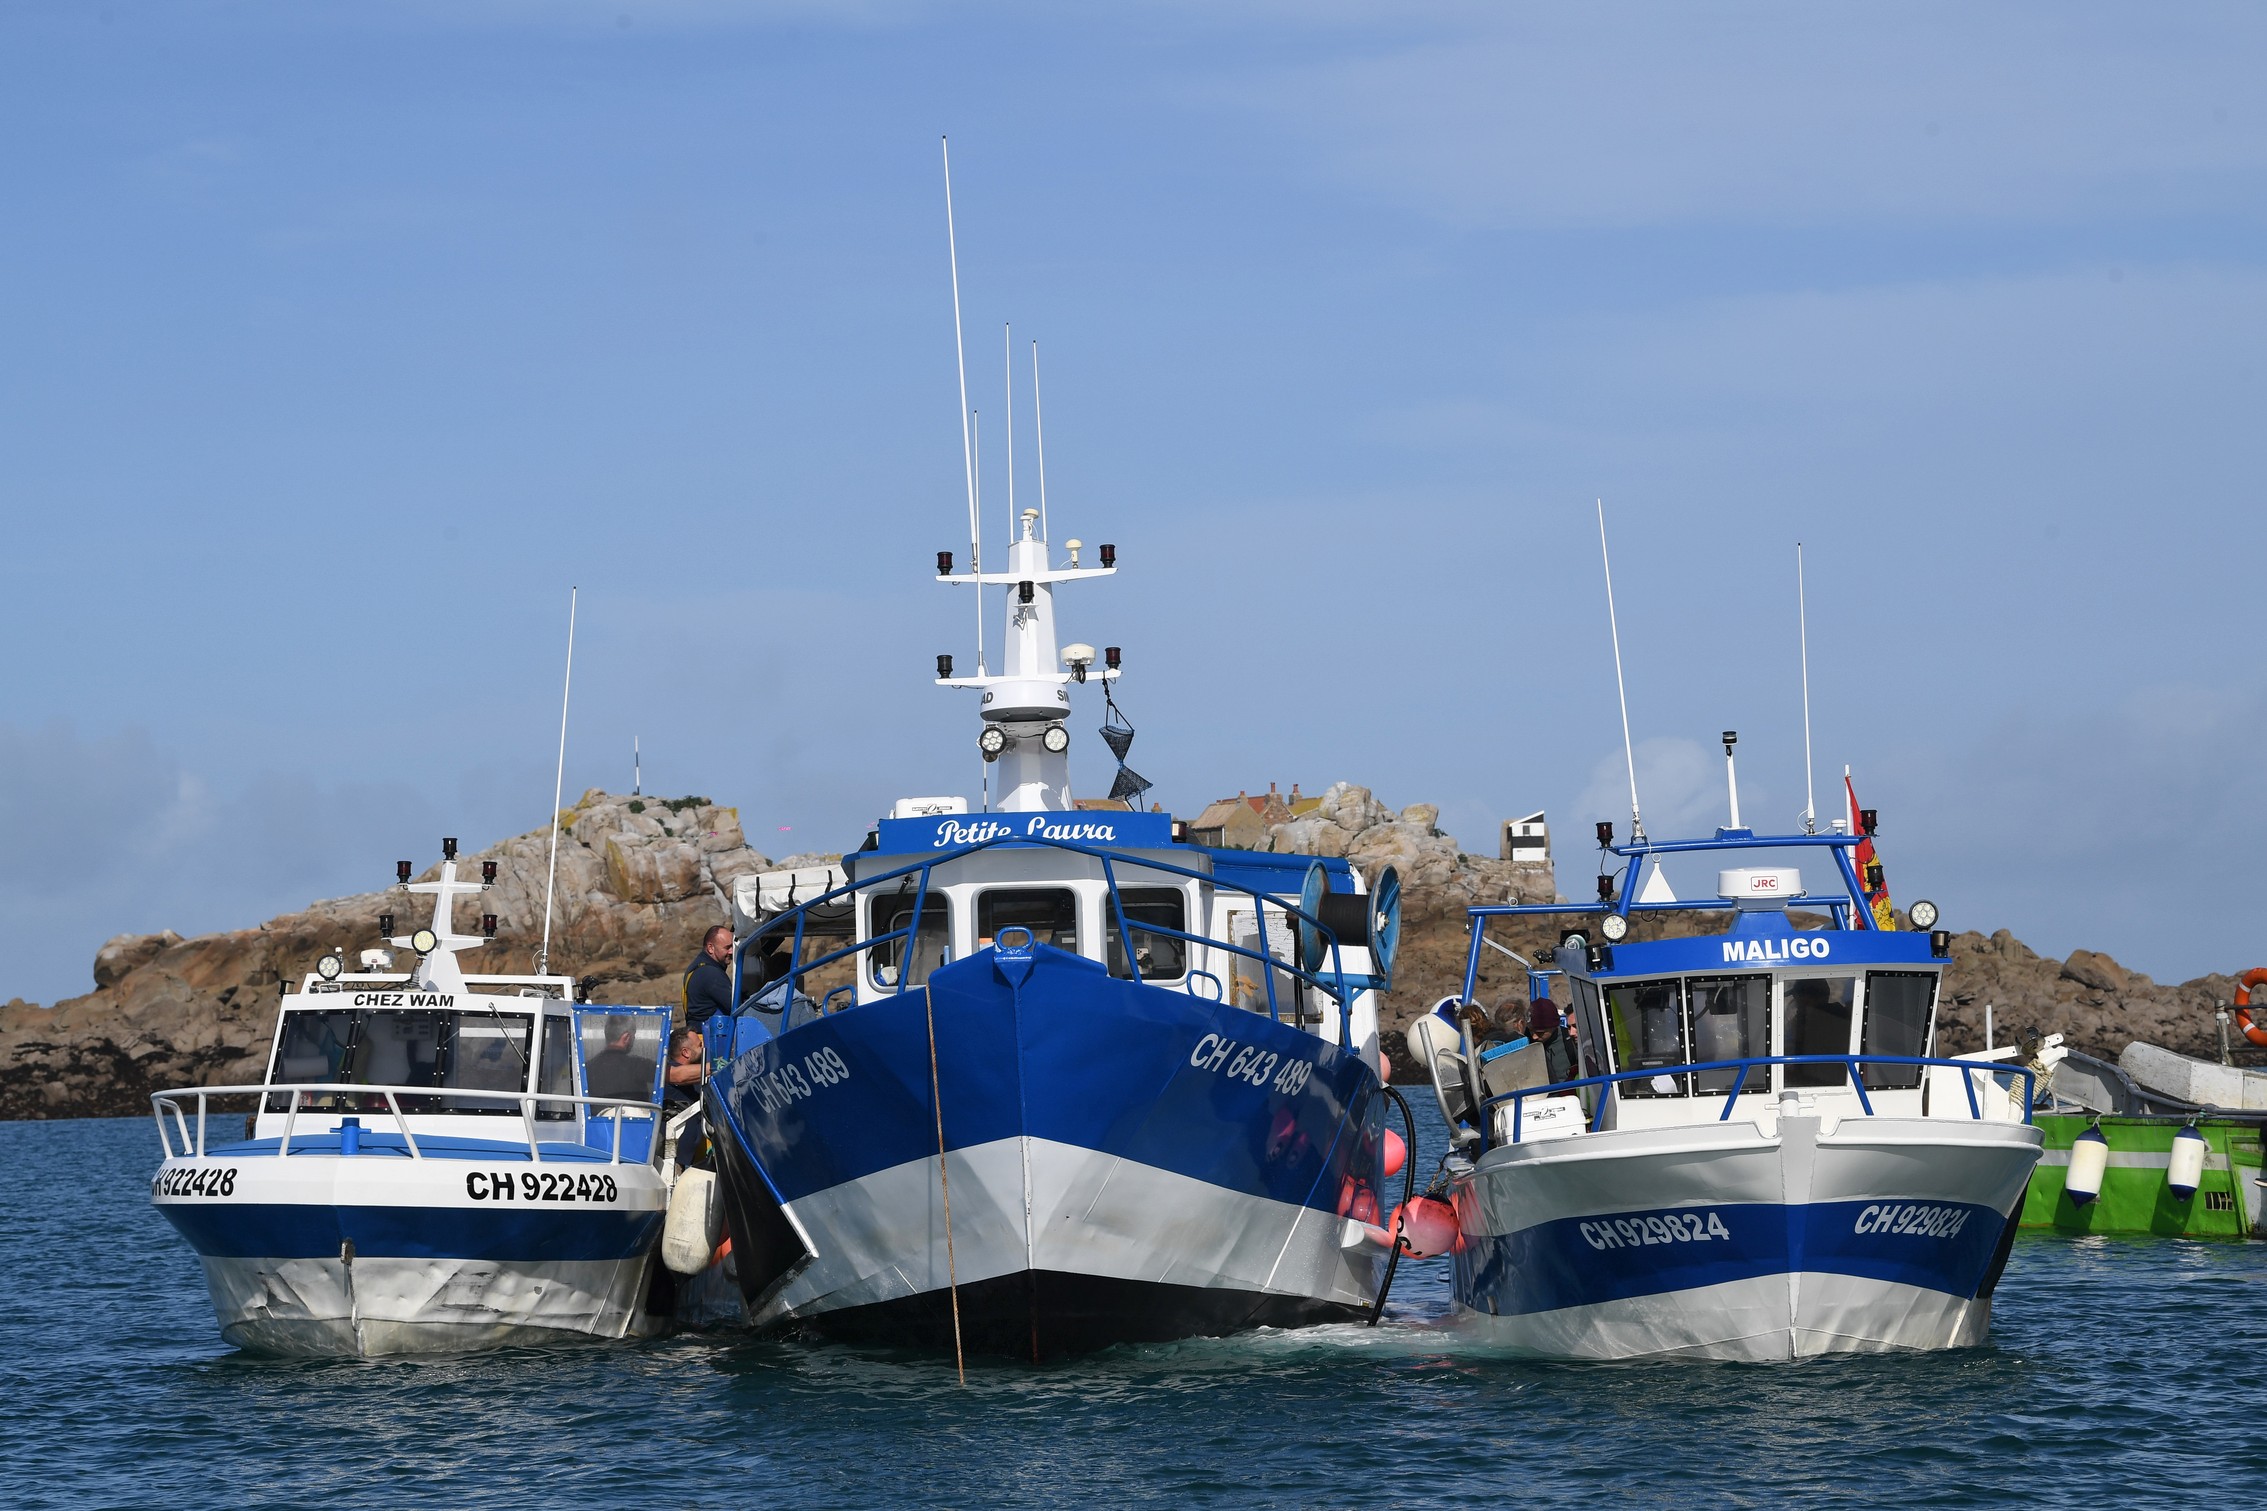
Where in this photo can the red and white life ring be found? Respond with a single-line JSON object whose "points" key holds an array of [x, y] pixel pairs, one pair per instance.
{"points": [[2252, 1029]]}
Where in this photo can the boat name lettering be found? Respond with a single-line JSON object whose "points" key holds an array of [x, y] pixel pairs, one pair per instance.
{"points": [[1912, 1221], [1038, 826], [794, 1081], [1668, 1227], [404, 999], [1770, 951], [1251, 1064], [540, 1185], [194, 1180]]}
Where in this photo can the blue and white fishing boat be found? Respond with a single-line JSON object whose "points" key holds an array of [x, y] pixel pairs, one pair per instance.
{"points": [[1759, 1157], [436, 1161], [1045, 1077]]}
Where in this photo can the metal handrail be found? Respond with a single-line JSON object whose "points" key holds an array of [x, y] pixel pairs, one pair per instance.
{"points": [[1334, 981], [162, 1102], [1968, 1068]]}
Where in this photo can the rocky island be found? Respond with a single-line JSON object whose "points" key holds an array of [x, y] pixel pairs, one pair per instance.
{"points": [[641, 879]]}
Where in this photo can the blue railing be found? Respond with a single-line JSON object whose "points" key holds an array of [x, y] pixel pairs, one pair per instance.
{"points": [[1969, 1069], [1334, 982]]}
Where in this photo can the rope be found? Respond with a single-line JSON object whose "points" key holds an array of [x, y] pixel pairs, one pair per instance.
{"points": [[944, 1181], [1408, 1189]]}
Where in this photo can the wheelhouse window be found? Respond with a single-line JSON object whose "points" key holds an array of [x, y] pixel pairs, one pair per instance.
{"points": [[430, 1052], [1049, 913], [1646, 1019], [558, 1067], [1731, 1020], [1162, 957], [1819, 1009], [1589, 1028], [621, 1054], [930, 947], [1898, 1007]]}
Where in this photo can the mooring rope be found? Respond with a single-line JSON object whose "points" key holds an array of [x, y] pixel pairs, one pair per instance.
{"points": [[944, 1182]]}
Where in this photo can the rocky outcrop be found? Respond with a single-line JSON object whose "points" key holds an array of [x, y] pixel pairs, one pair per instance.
{"points": [[640, 881]]}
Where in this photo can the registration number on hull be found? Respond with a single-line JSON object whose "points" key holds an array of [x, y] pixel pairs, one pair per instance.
{"points": [[195, 1180], [1638, 1232]]}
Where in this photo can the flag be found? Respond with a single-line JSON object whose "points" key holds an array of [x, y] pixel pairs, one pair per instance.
{"points": [[1871, 881]]}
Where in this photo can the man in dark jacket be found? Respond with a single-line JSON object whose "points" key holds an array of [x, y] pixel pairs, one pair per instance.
{"points": [[1543, 1027], [708, 980]]}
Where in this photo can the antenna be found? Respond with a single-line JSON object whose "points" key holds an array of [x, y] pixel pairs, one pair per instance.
{"points": [[558, 788], [1039, 431], [1007, 361], [967, 439], [1802, 621], [1629, 752]]}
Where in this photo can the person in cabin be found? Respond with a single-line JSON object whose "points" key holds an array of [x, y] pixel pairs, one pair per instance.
{"points": [[1543, 1027], [618, 1071], [708, 980], [681, 1082]]}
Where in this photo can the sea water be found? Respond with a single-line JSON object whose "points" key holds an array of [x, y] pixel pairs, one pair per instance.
{"points": [[2119, 1372]]}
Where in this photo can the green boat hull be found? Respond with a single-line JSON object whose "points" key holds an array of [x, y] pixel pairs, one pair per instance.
{"points": [[2135, 1197]]}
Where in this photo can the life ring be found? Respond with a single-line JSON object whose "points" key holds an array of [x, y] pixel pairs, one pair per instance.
{"points": [[2256, 1032]]}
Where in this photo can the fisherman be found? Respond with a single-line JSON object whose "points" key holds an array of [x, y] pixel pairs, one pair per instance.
{"points": [[708, 980], [681, 1082], [616, 1071], [1543, 1027]]}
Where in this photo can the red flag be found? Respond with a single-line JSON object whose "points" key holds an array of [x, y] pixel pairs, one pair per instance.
{"points": [[1871, 881]]}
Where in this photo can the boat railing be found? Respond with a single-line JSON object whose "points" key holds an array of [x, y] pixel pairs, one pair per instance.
{"points": [[192, 1144], [1969, 1070], [1334, 981]]}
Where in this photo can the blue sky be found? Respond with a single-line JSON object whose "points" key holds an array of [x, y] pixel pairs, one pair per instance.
{"points": [[335, 343]]}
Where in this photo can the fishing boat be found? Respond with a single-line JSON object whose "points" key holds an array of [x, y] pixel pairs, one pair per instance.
{"points": [[2153, 1142], [1042, 1076], [437, 1161], [1758, 1157]]}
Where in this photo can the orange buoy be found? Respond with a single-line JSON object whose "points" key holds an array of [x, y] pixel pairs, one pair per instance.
{"points": [[1427, 1225], [2250, 1027], [1396, 1152]]}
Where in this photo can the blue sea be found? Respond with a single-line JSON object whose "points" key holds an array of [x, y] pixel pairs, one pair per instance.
{"points": [[2120, 1372]]}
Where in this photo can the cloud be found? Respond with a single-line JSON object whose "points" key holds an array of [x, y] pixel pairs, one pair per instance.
{"points": [[1638, 114]]}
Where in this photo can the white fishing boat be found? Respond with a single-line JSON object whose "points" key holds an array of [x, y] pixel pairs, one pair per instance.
{"points": [[435, 1162]]}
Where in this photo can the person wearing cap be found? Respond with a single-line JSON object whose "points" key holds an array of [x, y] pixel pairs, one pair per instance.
{"points": [[1543, 1027]]}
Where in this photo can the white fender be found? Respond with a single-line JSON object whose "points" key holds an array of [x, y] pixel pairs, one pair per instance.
{"points": [[2186, 1168], [2089, 1157], [695, 1223]]}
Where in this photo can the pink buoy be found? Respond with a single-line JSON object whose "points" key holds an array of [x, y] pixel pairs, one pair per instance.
{"points": [[1396, 1152], [1363, 1209], [1427, 1225]]}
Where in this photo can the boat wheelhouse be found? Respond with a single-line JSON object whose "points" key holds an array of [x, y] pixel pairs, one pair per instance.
{"points": [[1044, 1078], [1758, 1156], [436, 1161]]}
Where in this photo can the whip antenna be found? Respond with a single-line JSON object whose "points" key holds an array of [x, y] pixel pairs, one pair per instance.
{"points": [[1613, 624], [1802, 621], [558, 789], [1007, 362], [1039, 433], [967, 442]]}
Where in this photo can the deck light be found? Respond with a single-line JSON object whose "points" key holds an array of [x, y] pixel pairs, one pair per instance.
{"points": [[1057, 739], [1923, 914], [1110, 652], [1605, 834], [487, 925], [402, 869], [992, 741], [449, 847], [488, 873], [385, 925], [944, 563], [1605, 889], [944, 667], [1615, 927], [1940, 944], [425, 941], [1023, 591], [1109, 556], [1867, 818], [1599, 957], [329, 966]]}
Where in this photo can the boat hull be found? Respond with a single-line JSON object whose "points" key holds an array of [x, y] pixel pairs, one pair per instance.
{"points": [[2135, 1197], [1123, 1163], [1724, 1241], [320, 1255]]}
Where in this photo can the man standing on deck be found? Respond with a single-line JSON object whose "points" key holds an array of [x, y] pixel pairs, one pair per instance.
{"points": [[708, 980]]}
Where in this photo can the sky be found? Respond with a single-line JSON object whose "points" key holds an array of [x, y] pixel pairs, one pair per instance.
{"points": [[338, 343]]}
